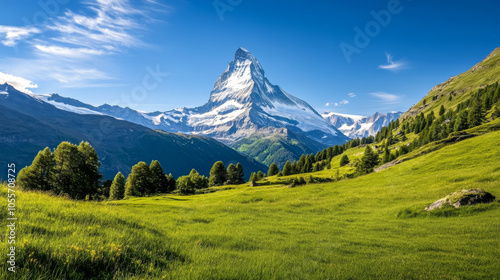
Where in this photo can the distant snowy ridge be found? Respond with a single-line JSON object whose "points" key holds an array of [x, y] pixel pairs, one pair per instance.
{"points": [[355, 126]]}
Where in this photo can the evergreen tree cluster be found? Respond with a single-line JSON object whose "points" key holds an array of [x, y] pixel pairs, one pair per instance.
{"points": [[219, 175], [145, 180], [467, 114], [69, 170], [190, 183]]}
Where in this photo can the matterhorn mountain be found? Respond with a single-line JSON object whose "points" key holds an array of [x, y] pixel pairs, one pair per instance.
{"points": [[243, 104], [355, 126]]}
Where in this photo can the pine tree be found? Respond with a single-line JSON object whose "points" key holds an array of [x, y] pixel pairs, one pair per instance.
{"points": [[287, 169], [301, 162], [117, 190], [461, 122], [232, 175], [159, 182], [253, 177], [442, 110], [316, 167], [67, 179], [476, 115], [218, 174], [369, 160], [387, 155], [170, 182], [344, 160], [260, 175], [294, 167], [88, 171], [328, 165], [198, 181], [39, 175], [306, 168], [241, 174], [139, 180], [273, 169]]}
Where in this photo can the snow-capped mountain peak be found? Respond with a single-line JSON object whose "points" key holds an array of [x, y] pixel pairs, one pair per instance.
{"points": [[257, 103], [237, 81]]}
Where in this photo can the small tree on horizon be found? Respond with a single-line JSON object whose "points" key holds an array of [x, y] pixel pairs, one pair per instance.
{"points": [[232, 175], [476, 114], [170, 182], [139, 180], [442, 110], [253, 177], [287, 169], [159, 182], [273, 169], [117, 190], [218, 175], [241, 173], [39, 175], [369, 160], [387, 155], [344, 160]]}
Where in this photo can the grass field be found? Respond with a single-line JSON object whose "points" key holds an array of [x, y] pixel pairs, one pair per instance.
{"points": [[371, 227]]}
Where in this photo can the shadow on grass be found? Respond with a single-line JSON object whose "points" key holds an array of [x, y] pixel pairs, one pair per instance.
{"points": [[447, 211]]}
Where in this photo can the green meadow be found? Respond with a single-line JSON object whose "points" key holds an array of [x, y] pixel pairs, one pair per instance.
{"points": [[370, 227]]}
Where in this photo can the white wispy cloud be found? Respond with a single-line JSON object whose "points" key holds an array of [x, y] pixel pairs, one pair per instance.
{"points": [[47, 69], [352, 94], [387, 98], [69, 52], [391, 64], [343, 102], [73, 43], [19, 83], [336, 104], [11, 34]]}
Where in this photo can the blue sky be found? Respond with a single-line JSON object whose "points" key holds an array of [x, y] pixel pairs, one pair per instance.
{"points": [[157, 55]]}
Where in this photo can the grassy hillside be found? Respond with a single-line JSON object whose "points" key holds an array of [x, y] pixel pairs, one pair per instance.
{"points": [[371, 227], [277, 148], [460, 88]]}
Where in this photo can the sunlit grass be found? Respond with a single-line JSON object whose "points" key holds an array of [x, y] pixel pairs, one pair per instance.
{"points": [[368, 227]]}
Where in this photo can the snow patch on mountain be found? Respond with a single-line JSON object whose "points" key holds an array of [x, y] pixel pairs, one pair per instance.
{"points": [[355, 126], [66, 107]]}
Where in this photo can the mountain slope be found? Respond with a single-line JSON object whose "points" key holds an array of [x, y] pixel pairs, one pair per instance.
{"points": [[354, 126], [277, 148], [28, 125], [242, 104], [460, 88]]}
